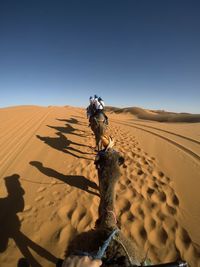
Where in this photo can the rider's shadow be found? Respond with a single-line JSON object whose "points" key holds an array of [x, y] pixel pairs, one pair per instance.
{"points": [[10, 224]]}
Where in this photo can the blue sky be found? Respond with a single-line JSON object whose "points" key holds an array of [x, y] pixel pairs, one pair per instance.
{"points": [[131, 53]]}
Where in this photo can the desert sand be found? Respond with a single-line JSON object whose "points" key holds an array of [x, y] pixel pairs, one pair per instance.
{"points": [[49, 185]]}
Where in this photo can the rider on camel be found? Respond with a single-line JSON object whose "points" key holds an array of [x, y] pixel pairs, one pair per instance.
{"points": [[99, 106], [90, 109]]}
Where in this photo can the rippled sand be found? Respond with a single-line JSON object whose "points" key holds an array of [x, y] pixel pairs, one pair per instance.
{"points": [[49, 185]]}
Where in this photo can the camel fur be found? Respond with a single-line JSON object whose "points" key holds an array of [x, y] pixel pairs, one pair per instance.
{"points": [[98, 127], [121, 250]]}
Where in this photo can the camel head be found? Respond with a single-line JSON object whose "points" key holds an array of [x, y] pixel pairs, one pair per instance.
{"points": [[108, 158], [107, 142]]}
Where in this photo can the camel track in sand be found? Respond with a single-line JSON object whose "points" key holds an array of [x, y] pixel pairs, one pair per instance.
{"points": [[175, 134], [15, 146], [63, 189], [16, 126], [175, 143]]}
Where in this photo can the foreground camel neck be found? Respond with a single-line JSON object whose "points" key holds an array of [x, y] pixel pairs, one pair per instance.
{"points": [[108, 176]]}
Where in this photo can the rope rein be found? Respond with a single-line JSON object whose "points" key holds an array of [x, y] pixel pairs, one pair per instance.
{"points": [[125, 250]]}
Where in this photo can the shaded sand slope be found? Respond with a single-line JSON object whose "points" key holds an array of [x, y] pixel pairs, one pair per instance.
{"points": [[157, 115], [47, 169]]}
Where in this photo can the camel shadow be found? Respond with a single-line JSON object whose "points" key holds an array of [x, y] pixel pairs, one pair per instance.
{"points": [[67, 130], [61, 143], [77, 181], [72, 121], [80, 117], [10, 225]]}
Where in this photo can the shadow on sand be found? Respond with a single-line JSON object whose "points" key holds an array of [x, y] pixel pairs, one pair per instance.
{"points": [[10, 225], [77, 181], [63, 144], [72, 121], [67, 130], [80, 117]]}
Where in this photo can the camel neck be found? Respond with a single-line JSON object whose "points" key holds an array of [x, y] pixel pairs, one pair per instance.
{"points": [[107, 204]]}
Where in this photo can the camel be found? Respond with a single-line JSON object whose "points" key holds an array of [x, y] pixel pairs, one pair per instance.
{"points": [[121, 251], [98, 126], [106, 241]]}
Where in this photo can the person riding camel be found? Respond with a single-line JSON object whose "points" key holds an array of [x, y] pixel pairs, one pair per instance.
{"points": [[99, 107], [90, 109]]}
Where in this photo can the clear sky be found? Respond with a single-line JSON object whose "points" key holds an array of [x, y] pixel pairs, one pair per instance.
{"points": [[130, 52]]}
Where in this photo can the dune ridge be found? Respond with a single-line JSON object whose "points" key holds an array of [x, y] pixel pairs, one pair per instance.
{"points": [[156, 115]]}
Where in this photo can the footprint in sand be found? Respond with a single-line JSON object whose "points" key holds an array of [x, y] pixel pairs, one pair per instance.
{"points": [[85, 222], [53, 215], [150, 191], [158, 196], [123, 205], [170, 210], [142, 233], [175, 200], [149, 223], [65, 235], [79, 214], [55, 193], [34, 210], [49, 203], [130, 155], [140, 172], [183, 239], [70, 213], [53, 182], [140, 212], [27, 208], [161, 216], [41, 189], [158, 237], [39, 198], [130, 217]]}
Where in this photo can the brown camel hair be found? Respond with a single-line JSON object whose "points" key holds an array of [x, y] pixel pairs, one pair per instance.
{"points": [[121, 250], [98, 127]]}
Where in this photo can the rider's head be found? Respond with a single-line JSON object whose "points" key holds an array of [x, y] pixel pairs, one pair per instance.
{"points": [[95, 96]]}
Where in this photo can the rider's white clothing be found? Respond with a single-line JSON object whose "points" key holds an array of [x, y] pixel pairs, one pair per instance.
{"points": [[99, 105]]}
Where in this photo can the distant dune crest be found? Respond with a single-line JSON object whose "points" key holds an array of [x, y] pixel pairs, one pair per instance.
{"points": [[157, 115]]}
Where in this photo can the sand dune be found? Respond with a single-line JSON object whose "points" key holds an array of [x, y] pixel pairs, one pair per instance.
{"points": [[49, 188], [157, 115]]}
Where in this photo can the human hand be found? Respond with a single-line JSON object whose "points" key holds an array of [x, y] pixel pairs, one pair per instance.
{"points": [[84, 261]]}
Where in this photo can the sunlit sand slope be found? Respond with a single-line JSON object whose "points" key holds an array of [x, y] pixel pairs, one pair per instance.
{"points": [[49, 185]]}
